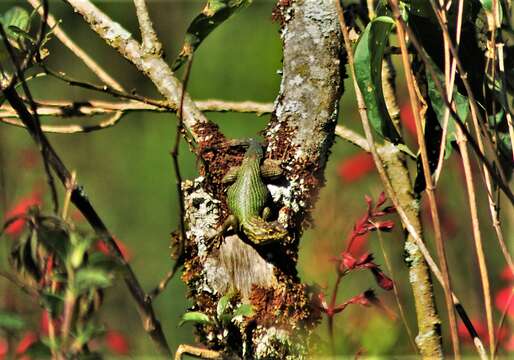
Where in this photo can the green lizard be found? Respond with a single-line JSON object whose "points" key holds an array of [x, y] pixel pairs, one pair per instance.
{"points": [[248, 197]]}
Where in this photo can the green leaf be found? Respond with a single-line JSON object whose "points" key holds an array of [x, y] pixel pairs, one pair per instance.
{"points": [[89, 278], [51, 302], [439, 106], [488, 6], [38, 350], [245, 310], [87, 332], [79, 250], [11, 321], [105, 262], [214, 13], [54, 235], [368, 56], [223, 303], [196, 317], [15, 18], [21, 33]]}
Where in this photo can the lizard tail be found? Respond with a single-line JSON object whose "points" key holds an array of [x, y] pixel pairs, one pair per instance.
{"points": [[261, 232]]}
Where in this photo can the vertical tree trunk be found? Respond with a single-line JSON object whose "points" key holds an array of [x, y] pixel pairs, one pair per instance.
{"points": [[300, 134]]}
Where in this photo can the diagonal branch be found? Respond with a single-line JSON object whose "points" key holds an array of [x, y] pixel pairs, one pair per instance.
{"points": [[81, 201], [152, 65]]}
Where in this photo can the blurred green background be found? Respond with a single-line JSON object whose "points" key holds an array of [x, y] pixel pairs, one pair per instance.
{"points": [[127, 173]]}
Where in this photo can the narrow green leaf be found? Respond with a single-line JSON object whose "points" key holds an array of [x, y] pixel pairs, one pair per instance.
{"points": [[87, 332], [51, 302], [439, 106], [222, 304], [101, 261], [213, 14], [11, 321], [38, 350], [15, 18], [488, 6], [368, 56], [90, 277], [245, 310], [78, 251], [196, 317]]}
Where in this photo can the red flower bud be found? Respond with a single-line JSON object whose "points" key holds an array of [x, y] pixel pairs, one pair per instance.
{"points": [[117, 342]]}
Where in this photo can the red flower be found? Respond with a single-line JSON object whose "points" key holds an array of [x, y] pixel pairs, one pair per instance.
{"points": [[407, 118], [102, 247], [507, 274], [16, 227], [504, 300], [116, 342], [368, 222], [355, 167], [4, 348], [367, 298], [358, 244], [44, 323], [509, 344], [480, 327], [346, 262], [29, 338]]}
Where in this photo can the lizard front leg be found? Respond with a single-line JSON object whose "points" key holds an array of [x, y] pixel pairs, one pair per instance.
{"points": [[230, 222]]}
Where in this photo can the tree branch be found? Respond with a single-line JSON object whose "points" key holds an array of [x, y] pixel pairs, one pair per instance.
{"points": [[152, 65], [81, 201], [150, 42], [67, 109]]}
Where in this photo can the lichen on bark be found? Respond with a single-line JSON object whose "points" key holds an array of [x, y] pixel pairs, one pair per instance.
{"points": [[300, 134]]}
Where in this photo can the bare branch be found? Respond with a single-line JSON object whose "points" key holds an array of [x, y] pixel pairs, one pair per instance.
{"points": [[77, 50], [411, 229], [81, 201], [153, 66], [430, 189], [352, 137], [150, 42], [117, 109]]}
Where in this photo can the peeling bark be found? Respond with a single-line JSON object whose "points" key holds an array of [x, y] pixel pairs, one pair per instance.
{"points": [[300, 134]]}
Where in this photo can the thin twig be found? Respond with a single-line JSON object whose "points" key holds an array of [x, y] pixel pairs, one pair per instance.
{"points": [[20, 284], [476, 149], [392, 194], [475, 113], [20, 76], [508, 114], [152, 65], [81, 201], [502, 321], [150, 42], [180, 195], [450, 82], [77, 50], [67, 197], [395, 290], [80, 109], [352, 137], [482, 265], [430, 189]]}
